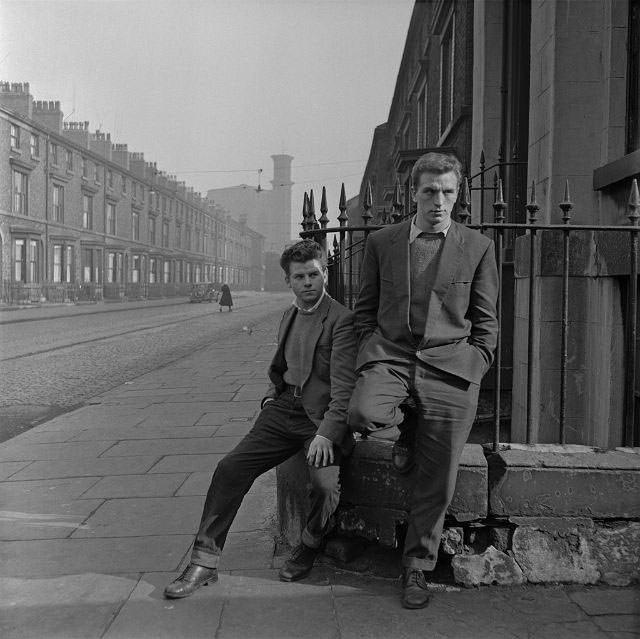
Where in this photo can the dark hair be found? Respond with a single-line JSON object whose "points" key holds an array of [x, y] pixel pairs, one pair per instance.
{"points": [[302, 251], [436, 163]]}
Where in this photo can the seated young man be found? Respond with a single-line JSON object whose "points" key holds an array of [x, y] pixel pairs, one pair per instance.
{"points": [[312, 378]]}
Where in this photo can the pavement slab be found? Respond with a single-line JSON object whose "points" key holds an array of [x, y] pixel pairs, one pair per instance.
{"points": [[139, 517], [127, 486], [62, 607], [607, 601], [248, 550], [17, 494], [7, 469], [68, 450], [186, 463], [196, 484], [45, 521], [147, 614], [51, 557], [182, 446], [85, 467]]}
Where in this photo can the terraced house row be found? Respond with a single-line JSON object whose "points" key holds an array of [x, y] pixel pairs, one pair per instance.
{"points": [[84, 218]]}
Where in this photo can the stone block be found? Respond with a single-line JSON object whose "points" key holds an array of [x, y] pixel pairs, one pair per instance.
{"points": [[452, 541], [490, 567], [500, 538], [560, 554], [374, 497], [534, 482], [616, 551]]}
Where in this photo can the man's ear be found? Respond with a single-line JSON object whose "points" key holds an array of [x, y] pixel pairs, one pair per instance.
{"points": [[287, 280], [325, 275], [413, 195]]}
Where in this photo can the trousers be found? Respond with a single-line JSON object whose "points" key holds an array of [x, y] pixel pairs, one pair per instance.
{"points": [[446, 407], [281, 429]]}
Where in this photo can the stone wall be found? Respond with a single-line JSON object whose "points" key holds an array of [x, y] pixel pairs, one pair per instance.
{"points": [[536, 514]]}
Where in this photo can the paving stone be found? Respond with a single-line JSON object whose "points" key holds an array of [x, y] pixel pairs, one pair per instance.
{"points": [[143, 516], [186, 463], [278, 613], [196, 484], [619, 623], [85, 468], [567, 630], [248, 550], [110, 556], [147, 614], [171, 420], [7, 469], [69, 450], [49, 521], [607, 601], [36, 436], [16, 494], [61, 607], [181, 446], [155, 485]]}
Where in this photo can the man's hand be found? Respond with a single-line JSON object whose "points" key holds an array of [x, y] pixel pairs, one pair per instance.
{"points": [[320, 452]]}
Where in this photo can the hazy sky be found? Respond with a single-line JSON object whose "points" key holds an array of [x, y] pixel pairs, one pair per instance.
{"points": [[205, 88]]}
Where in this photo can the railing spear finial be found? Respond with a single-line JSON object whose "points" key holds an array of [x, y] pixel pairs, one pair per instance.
{"points": [[305, 212], [342, 218], [367, 204], [634, 203], [566, 205], [313, 223], [499, 205], [532, 207], [465, 201], [324, 220]]}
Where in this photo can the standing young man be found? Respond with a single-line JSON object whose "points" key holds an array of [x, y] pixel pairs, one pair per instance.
{"points": [[427, 326], [312, 378]]}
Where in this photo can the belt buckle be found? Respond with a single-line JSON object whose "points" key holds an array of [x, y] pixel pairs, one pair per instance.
{"points": [[297, 392]]}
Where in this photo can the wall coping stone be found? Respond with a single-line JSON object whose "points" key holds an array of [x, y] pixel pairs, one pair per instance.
{"points": [[591, 458]]}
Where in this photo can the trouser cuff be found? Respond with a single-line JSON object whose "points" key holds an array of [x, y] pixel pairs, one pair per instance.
{"points": [[418, 563], [203, 558]]}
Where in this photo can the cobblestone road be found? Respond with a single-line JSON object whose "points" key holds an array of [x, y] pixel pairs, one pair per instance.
{"points": [[49, 366]]}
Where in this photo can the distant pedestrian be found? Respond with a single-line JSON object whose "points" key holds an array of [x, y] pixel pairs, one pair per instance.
{"points": [[225, 298]]}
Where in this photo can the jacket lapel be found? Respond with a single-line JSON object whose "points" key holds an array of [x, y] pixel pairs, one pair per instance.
{"points": [[448, 266], [400, 274], [277, 364]]}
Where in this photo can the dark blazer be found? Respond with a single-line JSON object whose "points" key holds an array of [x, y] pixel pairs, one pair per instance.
{"points": [[461, 328], [329, 380]]}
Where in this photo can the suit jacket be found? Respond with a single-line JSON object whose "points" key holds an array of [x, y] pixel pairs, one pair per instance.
{"points": [[330, 376], [461, 327]]}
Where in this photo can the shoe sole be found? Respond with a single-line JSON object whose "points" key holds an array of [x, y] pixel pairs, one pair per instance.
{"points": [[296, 578], [415, 606]]}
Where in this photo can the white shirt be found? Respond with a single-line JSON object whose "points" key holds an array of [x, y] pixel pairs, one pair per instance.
{"points": [[313, 308], [414, 231]]}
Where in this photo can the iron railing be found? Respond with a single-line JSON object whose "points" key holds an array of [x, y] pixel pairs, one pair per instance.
{"points": [[348, 243]]}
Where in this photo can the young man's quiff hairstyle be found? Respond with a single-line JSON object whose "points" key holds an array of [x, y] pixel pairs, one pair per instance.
{"points": [[302, 251], [436, 163]]}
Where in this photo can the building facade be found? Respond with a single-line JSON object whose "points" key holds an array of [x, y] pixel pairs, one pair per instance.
{"points": [[84, 218], [534, 93]]}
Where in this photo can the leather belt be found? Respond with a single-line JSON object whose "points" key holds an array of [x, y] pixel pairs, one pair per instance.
{"points": [[296, 391]]}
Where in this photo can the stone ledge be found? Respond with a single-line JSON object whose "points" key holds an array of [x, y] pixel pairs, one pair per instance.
{"points": [[574, 482]]}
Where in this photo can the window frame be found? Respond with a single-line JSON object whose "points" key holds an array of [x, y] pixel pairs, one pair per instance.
{"points": [[110, 218], [34, 145], [19, 192], [87, 211], [57, 203], [14, 137], [448, 35]]}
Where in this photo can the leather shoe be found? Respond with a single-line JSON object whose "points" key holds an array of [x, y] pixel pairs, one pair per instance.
{"points": [[190, 580], [300, 563], [414, 589]]}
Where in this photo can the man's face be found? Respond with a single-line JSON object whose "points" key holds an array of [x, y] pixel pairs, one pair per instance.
{"points": [[435, 196], [307, 280]]}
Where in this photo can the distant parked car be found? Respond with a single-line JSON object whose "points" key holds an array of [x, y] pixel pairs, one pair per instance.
{"points": [[203, 292]]}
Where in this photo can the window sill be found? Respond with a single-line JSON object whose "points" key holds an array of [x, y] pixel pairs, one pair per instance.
{"points": [[624, 168]]}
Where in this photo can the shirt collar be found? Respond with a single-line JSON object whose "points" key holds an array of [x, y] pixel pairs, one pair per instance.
{"points": [[308, 311], [415, 231]]}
